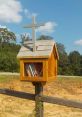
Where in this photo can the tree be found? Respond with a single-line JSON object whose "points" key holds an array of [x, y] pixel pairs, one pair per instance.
{"points": [[74, 59], [81, 65], [8, 60], [24, 37], [63, 59], [6, 36], [45, 37], [8, 51]]}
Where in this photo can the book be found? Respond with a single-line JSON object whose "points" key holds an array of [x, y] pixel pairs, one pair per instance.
{"points": [[31, 70], [28, 73]]}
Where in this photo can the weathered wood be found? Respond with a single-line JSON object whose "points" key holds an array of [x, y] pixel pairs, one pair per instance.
{"points": [[60, 101], [18, 94], [33, 26], [41, 98], [43, 49], [38, 102]]}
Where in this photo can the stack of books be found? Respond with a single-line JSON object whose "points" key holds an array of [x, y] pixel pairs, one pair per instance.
{"points": [[31, 70]]}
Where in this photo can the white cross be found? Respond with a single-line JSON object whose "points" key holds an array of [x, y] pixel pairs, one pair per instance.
{"points": [[33, 26]]}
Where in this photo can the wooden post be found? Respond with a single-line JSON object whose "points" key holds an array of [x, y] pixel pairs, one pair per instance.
{"points": [[38, 102]]}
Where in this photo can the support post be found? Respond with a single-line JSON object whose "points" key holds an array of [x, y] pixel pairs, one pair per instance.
{"points": [[38, 102]]}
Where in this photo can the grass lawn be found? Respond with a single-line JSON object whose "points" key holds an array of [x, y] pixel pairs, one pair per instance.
{"points": [[64, 87], [4, 78], [7, 78]]}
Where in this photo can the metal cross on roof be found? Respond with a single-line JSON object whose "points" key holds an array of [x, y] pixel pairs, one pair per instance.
{"points": [[33, 26]]}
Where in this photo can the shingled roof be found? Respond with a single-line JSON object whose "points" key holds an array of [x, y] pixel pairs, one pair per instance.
{"points": [[43, 49]]}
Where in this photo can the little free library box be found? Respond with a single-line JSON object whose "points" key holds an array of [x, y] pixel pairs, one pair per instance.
{"points": [[39, 65]]}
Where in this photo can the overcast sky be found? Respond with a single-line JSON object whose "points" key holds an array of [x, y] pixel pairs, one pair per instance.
{"points": [[62, 18]]}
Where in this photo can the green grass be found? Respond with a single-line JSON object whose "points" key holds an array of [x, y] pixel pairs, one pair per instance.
{"points": [[7, 78], [77, 79]]}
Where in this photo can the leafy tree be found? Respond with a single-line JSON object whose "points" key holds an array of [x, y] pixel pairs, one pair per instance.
{"points": [[44, 37], [63, 59], [74, 59], [8, 51], [8, 60], [24, 37], [6, 36], [67, 65], [81, 65]]}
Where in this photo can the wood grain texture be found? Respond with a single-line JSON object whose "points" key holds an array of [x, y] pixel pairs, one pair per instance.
{"points": [[43, 49], [46, 54], [48, 99], [23, 77], [52, 66]]}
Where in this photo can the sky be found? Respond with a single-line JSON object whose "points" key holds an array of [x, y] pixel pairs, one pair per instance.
{"points": [[62, 18]]}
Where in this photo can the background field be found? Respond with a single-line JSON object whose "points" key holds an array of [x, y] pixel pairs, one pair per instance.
{"points": [[64, 87]]}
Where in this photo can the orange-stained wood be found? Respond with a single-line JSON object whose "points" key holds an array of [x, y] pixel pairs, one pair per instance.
{"points": [[23, 77], [21, 69], [49, 68], [52, 66]]}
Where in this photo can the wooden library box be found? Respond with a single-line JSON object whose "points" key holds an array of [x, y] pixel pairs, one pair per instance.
{"points": [[39, 65]]}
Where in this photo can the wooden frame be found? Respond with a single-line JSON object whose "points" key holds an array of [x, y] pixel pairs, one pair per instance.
{"points": [[44, 78]]}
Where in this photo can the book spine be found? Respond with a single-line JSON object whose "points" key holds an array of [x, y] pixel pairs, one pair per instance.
{"points": [[30, 67], [31, 70], [28, 71]]}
